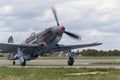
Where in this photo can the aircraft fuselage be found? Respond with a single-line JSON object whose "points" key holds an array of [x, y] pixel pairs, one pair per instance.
{"points": [[50, 36]]}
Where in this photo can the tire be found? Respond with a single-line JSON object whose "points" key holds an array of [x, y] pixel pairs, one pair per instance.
{"points": [[23, 63], [70, 61]]}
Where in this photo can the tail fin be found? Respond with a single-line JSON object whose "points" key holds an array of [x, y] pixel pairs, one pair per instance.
{"points": [[10, 40], [10, 56]]}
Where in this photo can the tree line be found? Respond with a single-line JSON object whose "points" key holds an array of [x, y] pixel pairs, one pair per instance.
{"points": [[93, 52]]}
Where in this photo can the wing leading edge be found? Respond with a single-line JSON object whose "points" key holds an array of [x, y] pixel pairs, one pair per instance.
{"points": [[63, 48]]}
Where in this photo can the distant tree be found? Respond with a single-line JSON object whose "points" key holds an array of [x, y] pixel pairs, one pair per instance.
{"points": [[93, 52]]}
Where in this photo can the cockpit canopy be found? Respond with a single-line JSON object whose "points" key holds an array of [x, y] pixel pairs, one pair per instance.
{"points": [[33, 34]]}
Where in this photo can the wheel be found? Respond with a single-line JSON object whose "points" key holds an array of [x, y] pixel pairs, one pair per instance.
{"points": [[23, 63], [13, 62], [70, 61]]}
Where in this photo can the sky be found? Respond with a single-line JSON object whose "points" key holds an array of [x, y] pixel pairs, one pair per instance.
{"points": [[93, 20]]}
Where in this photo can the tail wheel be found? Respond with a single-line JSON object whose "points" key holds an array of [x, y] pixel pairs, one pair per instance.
{"points": [[13, 62]]}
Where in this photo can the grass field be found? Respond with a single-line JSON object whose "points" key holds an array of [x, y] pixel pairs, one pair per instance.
{"points": [[58, 74]]}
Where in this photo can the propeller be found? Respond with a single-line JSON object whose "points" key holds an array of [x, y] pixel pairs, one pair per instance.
{"points": [[73, 35], [55, 15]]}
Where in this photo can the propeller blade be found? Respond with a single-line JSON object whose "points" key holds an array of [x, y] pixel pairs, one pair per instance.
{"points": [[72, 35], [55, 15]]}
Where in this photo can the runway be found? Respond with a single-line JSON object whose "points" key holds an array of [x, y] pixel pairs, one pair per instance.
{"points": [[61, 63]]}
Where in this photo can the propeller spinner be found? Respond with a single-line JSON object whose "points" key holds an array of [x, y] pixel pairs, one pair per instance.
{"points": [[73, 35], [62, 28]]}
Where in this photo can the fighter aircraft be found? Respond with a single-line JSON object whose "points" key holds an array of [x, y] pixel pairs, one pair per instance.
{"points": [[42, 43]]}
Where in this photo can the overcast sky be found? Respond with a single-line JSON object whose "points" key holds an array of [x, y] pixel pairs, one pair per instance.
{"points": [[94, 20]]}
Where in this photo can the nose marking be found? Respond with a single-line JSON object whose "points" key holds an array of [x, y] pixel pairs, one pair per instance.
{"points": [[62, 28]]}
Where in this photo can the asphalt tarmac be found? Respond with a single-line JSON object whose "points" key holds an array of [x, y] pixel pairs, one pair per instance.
{"points": [[61, 63]]}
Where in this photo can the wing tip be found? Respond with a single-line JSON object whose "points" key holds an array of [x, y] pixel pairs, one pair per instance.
{"points": [[96, 43]]}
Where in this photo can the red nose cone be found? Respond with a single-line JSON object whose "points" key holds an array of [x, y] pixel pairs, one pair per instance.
{"points": [[62, 28]]}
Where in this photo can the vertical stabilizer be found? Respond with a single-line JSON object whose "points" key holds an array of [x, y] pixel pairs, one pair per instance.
{"points": [[11, 56], [10, 40]]}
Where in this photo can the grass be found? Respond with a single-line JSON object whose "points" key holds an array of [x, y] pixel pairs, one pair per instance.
{"points": [[107, 63], [80, 58], [7, 73], [3, 58]]}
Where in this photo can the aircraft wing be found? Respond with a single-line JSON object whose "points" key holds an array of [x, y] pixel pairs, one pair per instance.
{"points": [[12, 48], [63, 48]]}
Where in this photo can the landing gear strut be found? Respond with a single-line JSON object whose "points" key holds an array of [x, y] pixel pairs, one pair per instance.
{"points": [[70, 58], [22, 60]]}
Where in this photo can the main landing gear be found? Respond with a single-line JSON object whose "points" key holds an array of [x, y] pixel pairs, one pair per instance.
{"points": [[22, 60], [22, 64], [70, 58]]}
